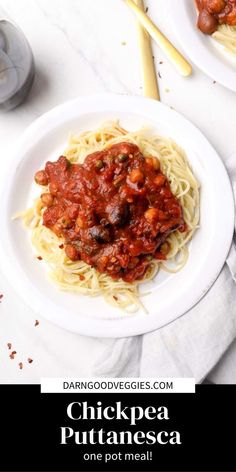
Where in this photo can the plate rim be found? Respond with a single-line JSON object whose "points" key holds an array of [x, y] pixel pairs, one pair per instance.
{"points": [[99, 326]]}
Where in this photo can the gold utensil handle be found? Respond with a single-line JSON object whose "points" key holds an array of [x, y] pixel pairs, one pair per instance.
{"points": [[181, 64], [150, 86]]}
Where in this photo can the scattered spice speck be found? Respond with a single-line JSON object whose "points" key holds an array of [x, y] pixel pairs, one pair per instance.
{"points": [[36, 323], [167, 90], [39, 258], [9, 345], [81, 277], [12, 355], [1, 297], [161, 62], [61, 246], [20, 365], [115, 298], [146, 9], [214, 81], [159, 74], [123, 43], [30, 360]]}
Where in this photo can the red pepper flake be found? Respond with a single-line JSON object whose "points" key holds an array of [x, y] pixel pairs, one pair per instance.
{"points": [[61, 246], [39, 258], [115, 298], [20, 365], [30, 360], [36, 323], [9, 345], [82, 277], [12, 355]]}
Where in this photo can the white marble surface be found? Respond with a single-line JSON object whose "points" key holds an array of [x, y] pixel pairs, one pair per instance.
{"points": [[78, 50]]}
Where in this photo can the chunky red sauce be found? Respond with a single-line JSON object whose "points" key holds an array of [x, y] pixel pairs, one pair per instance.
{"points": [[114, 211], [215, 12]]}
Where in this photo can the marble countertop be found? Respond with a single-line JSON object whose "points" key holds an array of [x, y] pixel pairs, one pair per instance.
{"points": [[84, 47]]}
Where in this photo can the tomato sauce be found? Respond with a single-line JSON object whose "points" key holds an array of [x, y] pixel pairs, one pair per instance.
{"points": [[215, 12], [114, 211]]}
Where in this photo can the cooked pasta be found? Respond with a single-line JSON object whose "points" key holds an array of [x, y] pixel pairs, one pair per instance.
{"points": [[226, 35], [79, 276]]}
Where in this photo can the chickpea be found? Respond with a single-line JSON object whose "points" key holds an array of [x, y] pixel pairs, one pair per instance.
{"points": [[41, 178], [136, 176], [103, 261], [162, 215], [153, 162], [231, 17], [151, 214], [80, 222], [159, 180], [215, 6], [71, 252], [47, 199], [99, 164], [165, 248], [57, 229]]}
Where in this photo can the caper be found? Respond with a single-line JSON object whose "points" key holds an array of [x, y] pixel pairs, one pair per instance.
{"points": [[99, 164], [149, 258], [68, 164], [122, 157]]}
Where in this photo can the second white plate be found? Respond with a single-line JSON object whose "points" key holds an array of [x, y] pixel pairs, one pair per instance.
{"points": [[202, 49]]}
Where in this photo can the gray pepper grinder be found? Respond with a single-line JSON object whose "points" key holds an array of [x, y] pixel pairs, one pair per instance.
{"points": [[16, 65]]}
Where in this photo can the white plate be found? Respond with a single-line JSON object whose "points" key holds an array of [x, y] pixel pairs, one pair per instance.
{"points": [[170, 295], [202, 49]]}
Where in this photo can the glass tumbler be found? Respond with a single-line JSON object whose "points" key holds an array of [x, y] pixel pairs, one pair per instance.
{"points": [[16, 65]]}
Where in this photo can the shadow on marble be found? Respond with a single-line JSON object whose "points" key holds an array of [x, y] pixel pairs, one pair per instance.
{"points": [[40, 88]]}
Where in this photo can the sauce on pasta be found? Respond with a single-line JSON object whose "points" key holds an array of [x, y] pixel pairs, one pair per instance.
{"points": [[213, 13], [114, 211]]}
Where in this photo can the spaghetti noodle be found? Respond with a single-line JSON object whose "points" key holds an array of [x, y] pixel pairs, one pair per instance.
{"points": [[226, 35]]}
